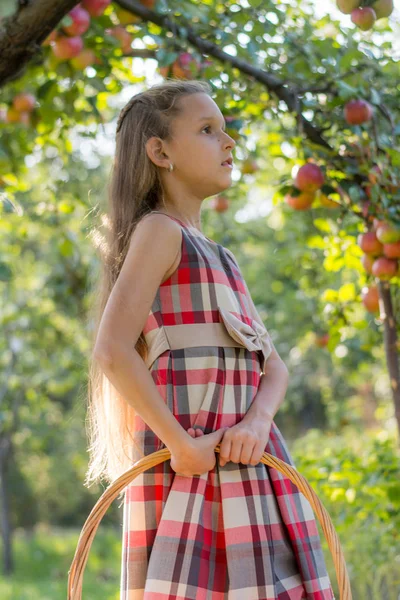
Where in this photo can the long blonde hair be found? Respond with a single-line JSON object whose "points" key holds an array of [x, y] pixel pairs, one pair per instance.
{"points": [[134, 190]]}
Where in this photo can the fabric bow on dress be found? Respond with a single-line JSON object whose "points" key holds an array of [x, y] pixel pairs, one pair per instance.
{"points": [[254, 337]]}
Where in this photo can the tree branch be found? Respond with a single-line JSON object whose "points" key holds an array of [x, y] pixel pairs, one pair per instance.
{"points": [[280, 88], [22, 34]]}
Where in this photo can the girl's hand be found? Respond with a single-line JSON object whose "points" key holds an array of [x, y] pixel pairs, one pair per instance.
{"points": [[195, 432], [198, 456], [245, 442]]}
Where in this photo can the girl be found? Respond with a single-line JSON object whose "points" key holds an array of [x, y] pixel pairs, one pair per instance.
{"points": [[182, 360]]}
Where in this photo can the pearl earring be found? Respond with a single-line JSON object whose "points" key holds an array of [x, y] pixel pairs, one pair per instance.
{"points": [[170, 168]]}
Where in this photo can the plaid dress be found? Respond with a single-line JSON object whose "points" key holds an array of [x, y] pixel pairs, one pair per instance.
{"points": [[238, 532]]}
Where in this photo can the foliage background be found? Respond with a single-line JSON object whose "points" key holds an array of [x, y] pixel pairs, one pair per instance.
{"points": [[303, 270]]}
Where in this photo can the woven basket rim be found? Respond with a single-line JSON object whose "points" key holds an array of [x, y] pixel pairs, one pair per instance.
{"points": [[75, 573]]}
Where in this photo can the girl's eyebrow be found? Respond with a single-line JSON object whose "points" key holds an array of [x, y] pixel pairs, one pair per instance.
{"points": [[211, 118]]}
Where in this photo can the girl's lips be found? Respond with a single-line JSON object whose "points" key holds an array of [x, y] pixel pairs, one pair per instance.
{"points": [[226, 164]]}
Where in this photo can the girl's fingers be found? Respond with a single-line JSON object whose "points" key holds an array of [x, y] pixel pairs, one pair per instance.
{"points": [[195, 432]]}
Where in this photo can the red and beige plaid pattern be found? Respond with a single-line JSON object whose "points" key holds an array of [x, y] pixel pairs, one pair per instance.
{"points": [[238, 532]]}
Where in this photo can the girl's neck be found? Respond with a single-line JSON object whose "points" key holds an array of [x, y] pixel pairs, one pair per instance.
{"points": [[188, 221]]}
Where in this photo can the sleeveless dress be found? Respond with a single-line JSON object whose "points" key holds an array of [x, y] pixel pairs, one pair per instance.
{"points": [[238, 532]]}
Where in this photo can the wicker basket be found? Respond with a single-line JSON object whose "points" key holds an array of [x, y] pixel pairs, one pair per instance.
{"points": [[75, 574]]}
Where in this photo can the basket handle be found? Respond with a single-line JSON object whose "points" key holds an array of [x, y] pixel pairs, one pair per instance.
{"points": [[75, 574]]}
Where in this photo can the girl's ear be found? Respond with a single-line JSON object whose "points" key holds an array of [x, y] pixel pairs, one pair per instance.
{"points": [[155, 152]]}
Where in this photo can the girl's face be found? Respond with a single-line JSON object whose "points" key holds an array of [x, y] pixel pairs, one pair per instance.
{"points": [[200, 146]]}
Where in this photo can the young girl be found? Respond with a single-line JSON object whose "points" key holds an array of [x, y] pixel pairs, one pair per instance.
{"points": [[183, 360]]}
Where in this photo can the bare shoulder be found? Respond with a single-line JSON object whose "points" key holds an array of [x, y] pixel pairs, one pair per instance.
{"points": [[157, 222], [153, 248]]}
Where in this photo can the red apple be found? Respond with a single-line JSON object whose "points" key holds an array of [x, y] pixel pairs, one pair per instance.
{"points": [[124, 37], [358, 111], [24, 102], [388, 233], [84, 59], [392, 250], [367, 261], [80, 21], [301, 202], [12, 115], [164, 70], [370, 298], [369, 243], [185, 66], [67, 47], [309, 178], [383, 8], [15, 116], [347, 6], [364, 17], [322, 340], [220, 203], [384, 268], [95, 8]]}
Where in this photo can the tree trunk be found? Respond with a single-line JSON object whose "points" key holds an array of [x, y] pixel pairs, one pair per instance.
{"points": [[5, 520], [391, 344]]}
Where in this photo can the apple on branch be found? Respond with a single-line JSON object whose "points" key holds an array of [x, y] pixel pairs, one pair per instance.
{"points": [[80, 21], [370, 298], [358, 111], [387, 233], [299, 200], [369, 243], [309, 178], [24, 102], [383, 8], [392, 250], [364, 17], [367, 261], [347, 6], [66, 47], [385, 268], [95, 8], [84, 59], [220, 203]]}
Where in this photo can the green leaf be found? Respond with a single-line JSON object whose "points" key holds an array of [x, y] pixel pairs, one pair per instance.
{"points": [[322, 225], [347, 292], [5, 272], [346, 91]]}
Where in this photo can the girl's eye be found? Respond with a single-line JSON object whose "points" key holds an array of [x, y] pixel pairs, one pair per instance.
{"points": [[209, 127]]}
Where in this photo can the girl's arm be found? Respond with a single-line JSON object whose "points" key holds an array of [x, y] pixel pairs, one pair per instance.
{"points": [[153, 249], [130, 376]]}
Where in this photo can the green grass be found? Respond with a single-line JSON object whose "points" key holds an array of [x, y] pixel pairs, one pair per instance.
{"points": [[42, 562]]}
